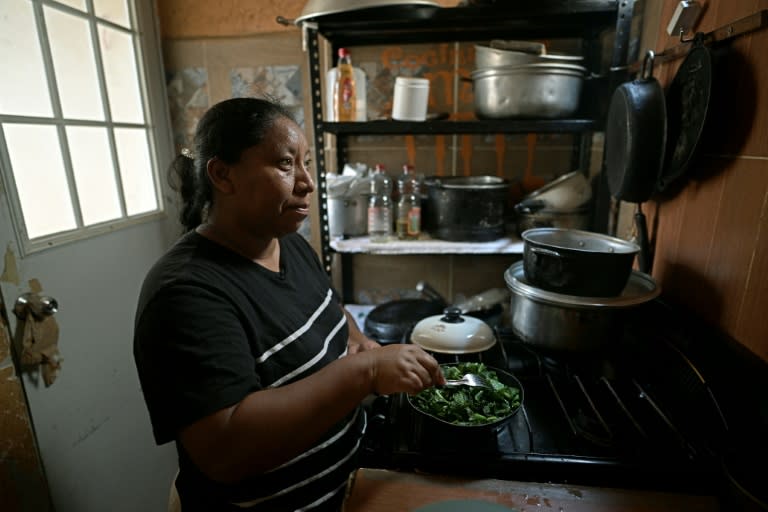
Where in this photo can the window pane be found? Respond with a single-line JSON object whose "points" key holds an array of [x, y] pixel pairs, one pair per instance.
{"points": [[38, 170], [136, 170], [27, 93], [77, 4], [94, 174], [74, 64], [121, 75], [115, 11]]}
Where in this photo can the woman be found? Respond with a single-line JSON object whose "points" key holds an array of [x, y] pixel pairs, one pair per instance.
{"points": [[246, 358]]}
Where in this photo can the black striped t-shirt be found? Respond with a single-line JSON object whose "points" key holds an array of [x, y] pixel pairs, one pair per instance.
{"points": [[212, 327]]}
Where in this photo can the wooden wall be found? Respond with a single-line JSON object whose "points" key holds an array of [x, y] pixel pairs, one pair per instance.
{"points": [[711, 234]]}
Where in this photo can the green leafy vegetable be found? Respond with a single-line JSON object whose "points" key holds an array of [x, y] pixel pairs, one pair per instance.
{"points": [[464, 405]]}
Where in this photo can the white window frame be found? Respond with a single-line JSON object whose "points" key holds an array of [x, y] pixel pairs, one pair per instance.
{"points": [[147, 44]]}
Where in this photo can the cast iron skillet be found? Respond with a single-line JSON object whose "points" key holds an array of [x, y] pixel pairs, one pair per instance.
{"points": [[635, 141], [687, 103]]}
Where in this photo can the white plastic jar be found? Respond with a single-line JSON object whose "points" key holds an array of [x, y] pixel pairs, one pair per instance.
{"points": [[410, 100]]}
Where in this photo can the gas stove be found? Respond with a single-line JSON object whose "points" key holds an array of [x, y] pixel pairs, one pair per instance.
{"points": [[637, 415]]}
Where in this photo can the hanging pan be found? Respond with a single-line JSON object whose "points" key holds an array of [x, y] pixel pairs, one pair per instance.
{"points": [[635, 141], [687, 102]]}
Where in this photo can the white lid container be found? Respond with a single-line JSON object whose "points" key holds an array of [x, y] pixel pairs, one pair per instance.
{"points": [[453, 333], [410, 100]]}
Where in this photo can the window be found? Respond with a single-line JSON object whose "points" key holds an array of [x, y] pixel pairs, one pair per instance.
{"points": [[82, 117]]}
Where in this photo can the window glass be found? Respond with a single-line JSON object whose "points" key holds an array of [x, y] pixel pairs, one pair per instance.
{"points": [[94, 173], [122, 78], [136, 170], [41, 182], [115, 11], [77, 4], [75, 65], [27, 93]]}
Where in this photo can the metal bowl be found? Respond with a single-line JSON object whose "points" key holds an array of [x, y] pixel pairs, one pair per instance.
{"points": [[318, 8], [546, 90]]}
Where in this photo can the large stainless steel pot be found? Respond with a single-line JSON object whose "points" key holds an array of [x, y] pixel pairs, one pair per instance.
{"points": [[568, 323], [547, 90]]}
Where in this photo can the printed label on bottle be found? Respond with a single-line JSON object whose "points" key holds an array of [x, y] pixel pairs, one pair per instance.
{"points": [[414, 221], [378, 220]]}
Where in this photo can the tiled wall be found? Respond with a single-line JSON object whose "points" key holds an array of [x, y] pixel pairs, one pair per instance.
{"points": [[711, 233]]}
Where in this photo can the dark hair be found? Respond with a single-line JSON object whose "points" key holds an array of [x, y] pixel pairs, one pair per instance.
{"points": [[225, 131]]}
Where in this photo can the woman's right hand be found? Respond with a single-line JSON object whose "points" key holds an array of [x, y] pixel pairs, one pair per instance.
{"points": [[403, 368]]}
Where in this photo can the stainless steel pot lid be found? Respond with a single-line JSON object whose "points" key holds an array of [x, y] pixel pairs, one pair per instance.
{"points": [[640, 288], [317, 8]]}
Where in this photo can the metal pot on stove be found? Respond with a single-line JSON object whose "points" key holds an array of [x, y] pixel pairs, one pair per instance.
{"points": [[570, 323]]}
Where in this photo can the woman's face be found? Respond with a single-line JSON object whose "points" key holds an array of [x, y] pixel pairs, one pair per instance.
{"points": [[272, 182]]}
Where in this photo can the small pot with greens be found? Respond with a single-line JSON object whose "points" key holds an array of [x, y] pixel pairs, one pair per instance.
{"points": [[470, 408]]}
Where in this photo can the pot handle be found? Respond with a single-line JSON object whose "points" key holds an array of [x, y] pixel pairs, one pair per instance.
{"points": [[545, 252]]}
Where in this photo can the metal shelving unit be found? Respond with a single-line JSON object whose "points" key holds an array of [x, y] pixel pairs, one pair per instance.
{"points": [[586, 20]]}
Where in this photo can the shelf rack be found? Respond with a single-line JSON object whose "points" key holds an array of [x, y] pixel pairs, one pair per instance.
{"points": [[410, 24]]}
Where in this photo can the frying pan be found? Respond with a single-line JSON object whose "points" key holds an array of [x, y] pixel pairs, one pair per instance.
{"points": [[635, 142], [388, 322], [687, 102]]}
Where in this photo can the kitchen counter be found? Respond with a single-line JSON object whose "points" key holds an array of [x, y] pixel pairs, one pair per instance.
{"points": [[376, 490]]}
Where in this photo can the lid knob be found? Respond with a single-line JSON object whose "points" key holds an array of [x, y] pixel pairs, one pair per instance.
{"points": [[452, 315]]}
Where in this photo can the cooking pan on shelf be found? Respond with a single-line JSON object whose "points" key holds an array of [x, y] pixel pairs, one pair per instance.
{"points": [[635, 142], [687, 103]]}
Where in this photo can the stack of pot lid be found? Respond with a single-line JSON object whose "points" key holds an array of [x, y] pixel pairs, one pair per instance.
{"points": [[641, 288]]}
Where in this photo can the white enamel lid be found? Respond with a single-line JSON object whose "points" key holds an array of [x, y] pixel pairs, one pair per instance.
{"points": [[453, 333]]}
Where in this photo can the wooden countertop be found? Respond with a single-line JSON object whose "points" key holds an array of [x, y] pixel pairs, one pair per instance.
{"points": [[376, 490]]}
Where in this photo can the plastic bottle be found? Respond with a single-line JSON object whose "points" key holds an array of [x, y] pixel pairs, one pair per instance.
{"points": [[345, 92], [409, 205], [361, 91], [380, 206]]}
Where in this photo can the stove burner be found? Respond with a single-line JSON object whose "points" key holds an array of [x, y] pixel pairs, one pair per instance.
{"points": [[597, 418]]}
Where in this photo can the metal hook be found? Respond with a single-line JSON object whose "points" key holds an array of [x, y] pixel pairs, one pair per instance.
{"points": [[683, 39], [648, 61]]}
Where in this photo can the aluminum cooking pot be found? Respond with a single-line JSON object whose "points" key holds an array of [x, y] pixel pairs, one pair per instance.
{"points": [[576, 262], [547, 90], [568, 323]]}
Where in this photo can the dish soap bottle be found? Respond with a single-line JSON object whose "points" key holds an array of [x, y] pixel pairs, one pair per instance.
{"points": [[344, 91]]}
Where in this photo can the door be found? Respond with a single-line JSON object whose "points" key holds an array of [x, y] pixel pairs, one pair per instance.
{"points": [[22, 479], [91, 424]]}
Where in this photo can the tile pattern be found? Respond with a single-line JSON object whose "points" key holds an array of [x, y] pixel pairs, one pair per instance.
{"points": [[188, 100]]}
